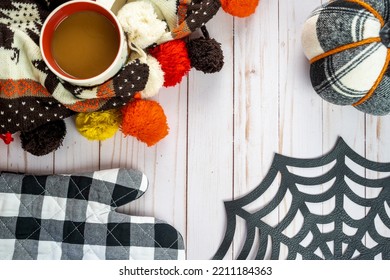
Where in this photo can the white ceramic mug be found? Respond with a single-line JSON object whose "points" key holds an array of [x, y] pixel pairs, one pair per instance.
{"points": [[61, 13]]}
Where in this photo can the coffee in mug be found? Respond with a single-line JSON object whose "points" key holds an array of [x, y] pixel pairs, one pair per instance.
{"points": [[85, 44], [82, 42]]}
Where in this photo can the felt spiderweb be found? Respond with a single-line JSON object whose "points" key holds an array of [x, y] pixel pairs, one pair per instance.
{"points": [[343, 213]]}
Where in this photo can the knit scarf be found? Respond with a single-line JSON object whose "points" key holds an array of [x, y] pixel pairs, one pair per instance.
{"points": [[30, 94]]}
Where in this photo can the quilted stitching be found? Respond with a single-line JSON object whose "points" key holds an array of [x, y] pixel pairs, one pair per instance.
{"points": [[19, 242], [77, 228], [26, 208]]}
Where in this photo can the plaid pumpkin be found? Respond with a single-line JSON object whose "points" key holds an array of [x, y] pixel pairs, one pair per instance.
{"points": [[347, 43]]}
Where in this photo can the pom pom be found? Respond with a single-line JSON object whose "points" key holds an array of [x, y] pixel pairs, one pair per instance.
{"points": [[174, 61], [155, 80], [139, 21], [206, 55], [239, 8], [98, 125], [145, 120], [44, 139], [7, 138]]}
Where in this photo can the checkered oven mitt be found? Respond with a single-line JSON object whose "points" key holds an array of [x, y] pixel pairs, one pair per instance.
{"points": [[74, 217], [30, 94]]}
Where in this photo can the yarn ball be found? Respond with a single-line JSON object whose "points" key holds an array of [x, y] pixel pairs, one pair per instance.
{"points": [[99, 125], [145, 120], [139, 21], [44, 139], [240, 8], [174, 60], [350, 67], [206, 55], [155, 80]]}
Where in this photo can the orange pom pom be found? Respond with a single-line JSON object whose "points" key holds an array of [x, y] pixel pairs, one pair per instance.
{"points": [[240, 8], [145, 120]]}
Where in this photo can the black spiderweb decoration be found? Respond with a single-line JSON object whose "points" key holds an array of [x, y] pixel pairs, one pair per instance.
{"points": [[334, 244]]}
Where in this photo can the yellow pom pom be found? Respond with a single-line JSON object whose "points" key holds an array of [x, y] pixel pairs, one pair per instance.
{"points": [[98, 125]]}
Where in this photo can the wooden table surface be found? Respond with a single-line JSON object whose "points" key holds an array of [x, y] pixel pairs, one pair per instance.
{"points": [[225, 129]]}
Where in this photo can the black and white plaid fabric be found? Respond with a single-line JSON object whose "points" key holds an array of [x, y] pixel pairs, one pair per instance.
{"points": [[74, 217], [346, 77]]}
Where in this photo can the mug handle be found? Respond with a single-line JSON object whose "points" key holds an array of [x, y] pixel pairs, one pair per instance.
{"points": [[114, 5]]}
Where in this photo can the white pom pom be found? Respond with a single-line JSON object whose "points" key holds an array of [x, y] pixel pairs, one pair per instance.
{"points": [[156, 78], [140, 22]]}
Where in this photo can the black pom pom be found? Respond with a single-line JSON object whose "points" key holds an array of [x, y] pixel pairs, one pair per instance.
{"points": [[206, 55], [44, 139]]}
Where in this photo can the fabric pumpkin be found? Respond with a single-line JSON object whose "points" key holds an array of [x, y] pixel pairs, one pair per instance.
{"points": [[347, 43]]}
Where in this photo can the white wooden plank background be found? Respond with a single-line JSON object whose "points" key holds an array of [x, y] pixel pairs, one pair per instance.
{"points": [[225, 129]]}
